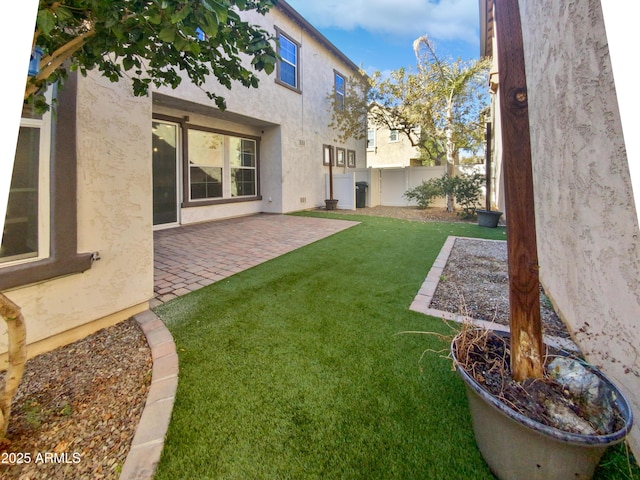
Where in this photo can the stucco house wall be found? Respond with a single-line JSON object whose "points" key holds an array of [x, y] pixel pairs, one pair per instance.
{"points": [[292, 126], [113, 133], [388, 152], [588, 235], [587, 226], [114, 220]]}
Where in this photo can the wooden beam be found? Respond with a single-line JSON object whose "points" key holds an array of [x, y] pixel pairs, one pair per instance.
{"points": [[524, 294]]}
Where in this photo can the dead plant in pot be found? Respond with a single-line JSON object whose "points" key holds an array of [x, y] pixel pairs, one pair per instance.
{"points": [[553, 427]]}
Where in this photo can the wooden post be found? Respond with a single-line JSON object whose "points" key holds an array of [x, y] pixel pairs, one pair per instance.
{"points": [[330, 177], [524, 294]]}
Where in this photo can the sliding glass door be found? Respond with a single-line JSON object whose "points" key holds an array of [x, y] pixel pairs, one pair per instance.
{"points": [[165, 173]]}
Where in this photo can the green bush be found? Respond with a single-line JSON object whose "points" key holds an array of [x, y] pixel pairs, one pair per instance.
{"points": [[424, 193], [467, 193], [465, 189]]}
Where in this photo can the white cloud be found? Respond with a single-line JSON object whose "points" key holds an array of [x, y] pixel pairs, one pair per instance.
{"points": [[444, 20]]}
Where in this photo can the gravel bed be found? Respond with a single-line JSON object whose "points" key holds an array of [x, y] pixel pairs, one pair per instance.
{"points": [[78, 407], [475, 282]]}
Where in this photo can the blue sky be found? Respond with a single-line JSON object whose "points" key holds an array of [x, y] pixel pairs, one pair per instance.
{"points": [[379, 34]]}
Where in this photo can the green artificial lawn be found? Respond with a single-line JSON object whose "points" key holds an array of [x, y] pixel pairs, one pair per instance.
{"points": [[296, 368]]}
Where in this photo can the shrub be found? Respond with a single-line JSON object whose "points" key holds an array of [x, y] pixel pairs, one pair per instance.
{"points": [[467, 193], [465, 189], [424, 193]]}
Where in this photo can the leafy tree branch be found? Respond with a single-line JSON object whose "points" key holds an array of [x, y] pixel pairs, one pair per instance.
{"points": [[154, 42]]}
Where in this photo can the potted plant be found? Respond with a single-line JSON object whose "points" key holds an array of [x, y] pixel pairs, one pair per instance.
{"points": [[530, 430], [487, 217]]}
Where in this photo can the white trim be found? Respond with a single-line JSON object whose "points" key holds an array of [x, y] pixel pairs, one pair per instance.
{"points": [[178, 177]]}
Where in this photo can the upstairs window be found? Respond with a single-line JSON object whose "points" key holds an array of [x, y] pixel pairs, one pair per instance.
{"points": [[340, 89], [393, 136], [371, 139], [288, 72]]}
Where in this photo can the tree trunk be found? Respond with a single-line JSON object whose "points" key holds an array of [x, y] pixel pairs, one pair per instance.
{"points": [[524, 293], [17, 334], [450, 149]]}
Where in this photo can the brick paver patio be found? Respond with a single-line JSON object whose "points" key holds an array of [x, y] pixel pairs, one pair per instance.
{"points": [[190, 257]]}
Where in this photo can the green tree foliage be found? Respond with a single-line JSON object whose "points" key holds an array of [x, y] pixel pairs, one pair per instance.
{"points": [[349, 109], [439, 107], [151, 41]]}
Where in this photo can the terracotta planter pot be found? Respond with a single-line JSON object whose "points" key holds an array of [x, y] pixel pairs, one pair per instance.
{"points": [[331, 204], [488, 218], [517, 447]]}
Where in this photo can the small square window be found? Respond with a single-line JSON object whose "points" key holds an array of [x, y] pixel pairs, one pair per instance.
{"points": [[327, 155], [351, 158]]}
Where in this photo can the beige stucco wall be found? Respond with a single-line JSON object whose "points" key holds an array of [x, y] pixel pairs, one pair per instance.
{"points": [[390, 154], [114, 219], [292, 126], [588, 236]]}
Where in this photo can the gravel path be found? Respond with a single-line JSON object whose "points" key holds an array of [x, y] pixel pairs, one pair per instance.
{"points": [[432, 214], [475, 282]]}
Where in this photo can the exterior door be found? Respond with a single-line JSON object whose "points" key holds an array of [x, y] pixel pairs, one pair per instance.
{"points": [[165, 173]]}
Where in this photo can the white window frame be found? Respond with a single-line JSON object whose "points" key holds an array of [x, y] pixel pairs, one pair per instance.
{"points": [[191, 165], [371, 146], [253, 168], [226, 169]]}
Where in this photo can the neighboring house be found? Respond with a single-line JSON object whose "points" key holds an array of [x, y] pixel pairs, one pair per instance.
{"points": [[389, 148], [587, 225], [91, 185]]}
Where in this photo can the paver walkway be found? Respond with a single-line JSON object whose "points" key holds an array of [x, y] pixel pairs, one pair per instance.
{"points": [[190, 257]]}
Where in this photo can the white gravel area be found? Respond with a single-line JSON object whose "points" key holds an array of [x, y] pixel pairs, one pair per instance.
{"points": [[475, 283]]}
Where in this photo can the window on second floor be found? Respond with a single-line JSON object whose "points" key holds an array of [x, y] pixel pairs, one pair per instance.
{"points": [[371, 139], [288, 69], [340, 90], [393, 136]]}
